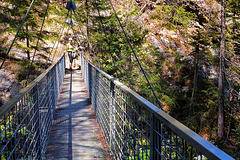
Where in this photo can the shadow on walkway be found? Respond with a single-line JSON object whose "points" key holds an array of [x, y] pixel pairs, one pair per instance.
{"points": [[74, 134]]}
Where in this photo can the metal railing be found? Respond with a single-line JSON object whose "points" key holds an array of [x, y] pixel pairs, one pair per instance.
{"points": [[134, 128], [26, 119]]}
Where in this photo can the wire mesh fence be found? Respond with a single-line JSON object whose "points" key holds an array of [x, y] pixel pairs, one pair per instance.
{"points": [[26, 119], [134, 128]]}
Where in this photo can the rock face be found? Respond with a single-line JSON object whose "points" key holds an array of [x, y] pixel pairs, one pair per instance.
{"points": [[166, 40], [202, 8], [9, 86], [175, 44]]}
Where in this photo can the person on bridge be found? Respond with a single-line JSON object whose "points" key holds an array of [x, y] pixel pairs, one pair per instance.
{"points": [[70, 52], [80, 51]]}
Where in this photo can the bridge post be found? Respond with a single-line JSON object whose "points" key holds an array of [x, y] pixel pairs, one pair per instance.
{"points": [[38, 124], [112, 116], [64, 63], [55, 88], [95, 87], [63, 71], [86, 73], [82, 67], [152, 141], [90, 81], [56, 76]]}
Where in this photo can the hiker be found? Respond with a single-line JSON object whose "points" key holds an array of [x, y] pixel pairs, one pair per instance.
{"points": [[70, 52]]}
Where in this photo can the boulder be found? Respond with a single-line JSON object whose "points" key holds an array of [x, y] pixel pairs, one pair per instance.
{"points": [[5, 83], [213, 73], [156, 43]]}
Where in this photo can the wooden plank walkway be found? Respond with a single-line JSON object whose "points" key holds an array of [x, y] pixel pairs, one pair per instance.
{"points": [[75, 134]]}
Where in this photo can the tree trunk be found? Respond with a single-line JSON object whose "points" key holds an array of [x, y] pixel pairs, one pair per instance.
{"points": [[28, 44], [195, 74], [87, 20], [196, 61], [221, 75]]}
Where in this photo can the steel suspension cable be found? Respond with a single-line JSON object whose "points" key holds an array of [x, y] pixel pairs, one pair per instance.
{"points": [[62, 46], [102, 26], [141, 68], [89, 44], [48, 58], [61, 30], [17, 33], [59, 42], [40, 34], [61, 36]]}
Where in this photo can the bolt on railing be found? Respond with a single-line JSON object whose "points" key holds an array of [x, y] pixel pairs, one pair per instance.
{"points": [[26, 119], [134, 128]]}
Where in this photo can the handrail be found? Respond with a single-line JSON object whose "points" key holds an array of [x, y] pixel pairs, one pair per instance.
{"points": [[134, 116], [7, 106], [26, 120]]}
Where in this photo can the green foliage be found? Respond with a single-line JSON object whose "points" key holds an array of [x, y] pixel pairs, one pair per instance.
{"points": [[112, 53], [135, 11], [7, 132], [170, 101], [12, 15], [173, 15], [237, 135], [110, 44], [55, 9], [25, 68], [183, 17]]}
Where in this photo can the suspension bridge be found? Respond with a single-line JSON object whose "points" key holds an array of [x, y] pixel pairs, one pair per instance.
{"points": [[88, 114]]}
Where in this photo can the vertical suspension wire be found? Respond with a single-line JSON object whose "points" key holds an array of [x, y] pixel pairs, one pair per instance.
{"points": [[40, 34], [89, 44], [71, 10], [15, 38], [102, 26], [135, 55], [66, 34], [59, 36], [58, 43]]}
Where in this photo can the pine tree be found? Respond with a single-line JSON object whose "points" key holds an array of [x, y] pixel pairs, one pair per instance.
{"points": [[221, 77], [200, 51], [16, 10]]}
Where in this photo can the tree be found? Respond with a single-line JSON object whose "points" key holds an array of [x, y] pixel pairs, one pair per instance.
{"points": [[15, 11], [199, 53], [221, 75]]}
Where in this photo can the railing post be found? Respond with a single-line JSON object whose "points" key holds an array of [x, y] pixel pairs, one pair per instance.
{"points": [[82, 67], [64, 62], [55, 91], [56, 77], [152, 145], [83, 70], [90, 81], [94, 100], [63, 71], [112, 116], [38, 119], [86, 71]]}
